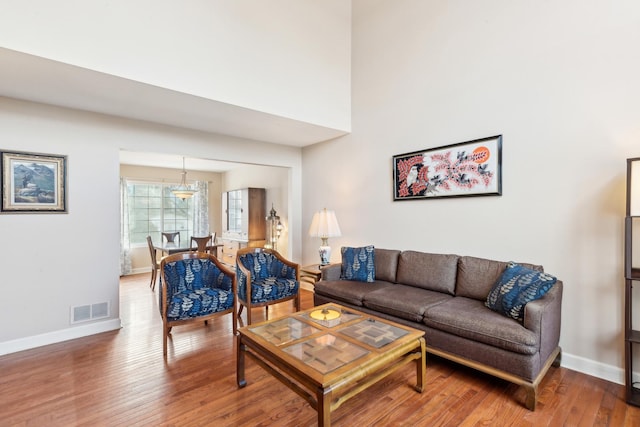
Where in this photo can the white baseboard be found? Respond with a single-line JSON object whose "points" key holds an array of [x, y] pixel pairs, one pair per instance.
{"points": [[593, 368], [27, 343]]}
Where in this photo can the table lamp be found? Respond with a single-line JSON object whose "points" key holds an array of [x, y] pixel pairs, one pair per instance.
{"points": [[324, 225]]}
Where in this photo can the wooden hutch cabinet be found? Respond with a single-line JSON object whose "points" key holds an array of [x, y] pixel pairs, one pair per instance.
{"points": [[243, 222]]}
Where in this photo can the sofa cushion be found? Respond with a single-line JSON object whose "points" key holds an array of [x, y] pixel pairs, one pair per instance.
{"points": [[435, 272], [476, 276], [517, 286], [387, 264], [358, 264], [349, 291], [406, 302], [469, 318]]}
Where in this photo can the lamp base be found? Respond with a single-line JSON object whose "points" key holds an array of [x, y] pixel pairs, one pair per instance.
{"points": [[325, 254]]}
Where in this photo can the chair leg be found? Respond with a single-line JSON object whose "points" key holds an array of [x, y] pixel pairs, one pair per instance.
{"points": [[165, 332], [152, 284]]}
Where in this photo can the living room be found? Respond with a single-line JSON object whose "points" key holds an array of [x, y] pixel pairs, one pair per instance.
{"points": [[557, 80]]}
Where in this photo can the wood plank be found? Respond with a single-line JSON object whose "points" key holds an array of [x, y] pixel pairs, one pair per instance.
{"points": [[121, 379]]}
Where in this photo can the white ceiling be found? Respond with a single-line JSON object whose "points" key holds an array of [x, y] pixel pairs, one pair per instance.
{"points": [[37, 79]]}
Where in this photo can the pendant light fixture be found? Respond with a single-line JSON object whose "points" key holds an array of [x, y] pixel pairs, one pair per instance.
{"points": [[183, 191]]}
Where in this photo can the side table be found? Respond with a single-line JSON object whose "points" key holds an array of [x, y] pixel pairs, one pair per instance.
{"points": [[310, 274]]}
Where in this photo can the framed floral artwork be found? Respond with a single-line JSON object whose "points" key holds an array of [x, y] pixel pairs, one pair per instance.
{"points": [[471, 168]]}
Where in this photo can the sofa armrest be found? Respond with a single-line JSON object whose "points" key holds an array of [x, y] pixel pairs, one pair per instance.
{"points": [[331, 271], [543, 317]]}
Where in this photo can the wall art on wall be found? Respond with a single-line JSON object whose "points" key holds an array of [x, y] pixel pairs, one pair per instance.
{"points": [[33, 183], [471, 168]]}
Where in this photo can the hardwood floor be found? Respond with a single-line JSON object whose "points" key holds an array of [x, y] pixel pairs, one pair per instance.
{"points": [[121, 379]]}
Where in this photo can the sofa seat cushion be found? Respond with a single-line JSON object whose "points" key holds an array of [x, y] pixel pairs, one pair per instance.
{"points": [[272, 289], [349, 291], [469, 318], [187, 304], [406, 302]]}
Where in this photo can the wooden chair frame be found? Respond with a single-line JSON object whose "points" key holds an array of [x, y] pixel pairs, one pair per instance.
{"points": [[168, 324], [201, 243], [247, 273], [171, 237], [155, 264]]}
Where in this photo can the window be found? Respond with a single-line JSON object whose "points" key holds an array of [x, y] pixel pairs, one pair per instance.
{"points": [[153, 209]]}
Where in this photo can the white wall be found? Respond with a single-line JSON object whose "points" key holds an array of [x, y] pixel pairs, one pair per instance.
{"points": [[559, 80], [47, 268], [246, 53]]}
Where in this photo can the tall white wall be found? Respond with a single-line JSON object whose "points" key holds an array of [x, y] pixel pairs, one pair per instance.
{"points": [[289, 58], [52, 262], [559, 80]]}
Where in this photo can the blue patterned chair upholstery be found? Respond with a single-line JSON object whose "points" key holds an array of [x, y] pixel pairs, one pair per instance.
{"points": [[265, 277], [195, 287]]}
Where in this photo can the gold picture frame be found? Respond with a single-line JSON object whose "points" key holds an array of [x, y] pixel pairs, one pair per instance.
{"points": [[33, 183]]}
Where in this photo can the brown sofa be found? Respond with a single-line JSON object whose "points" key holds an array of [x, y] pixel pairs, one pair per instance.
{"points": [[444, 295]]}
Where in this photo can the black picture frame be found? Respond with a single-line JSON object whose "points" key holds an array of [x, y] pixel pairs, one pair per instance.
{"points": [[470, 168]]}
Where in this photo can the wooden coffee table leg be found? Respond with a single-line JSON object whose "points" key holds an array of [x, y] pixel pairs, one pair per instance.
{"points": [[240, 351], [324, 407], [421, 367]]}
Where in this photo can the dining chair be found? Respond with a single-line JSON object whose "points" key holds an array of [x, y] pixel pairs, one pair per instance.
{"points": [[201, 243], [172, 237], [155, 265], [265, 277], [195, 287]]}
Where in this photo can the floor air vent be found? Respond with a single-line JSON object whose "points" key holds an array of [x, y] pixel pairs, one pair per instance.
{"points": [[85, 313]]}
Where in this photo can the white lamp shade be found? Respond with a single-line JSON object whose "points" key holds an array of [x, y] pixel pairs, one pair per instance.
{"points": [[633, 190], [324, 224]]}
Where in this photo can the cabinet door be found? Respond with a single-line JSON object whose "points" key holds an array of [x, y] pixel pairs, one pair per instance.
{"points": [[256, 228], [233, 211]]}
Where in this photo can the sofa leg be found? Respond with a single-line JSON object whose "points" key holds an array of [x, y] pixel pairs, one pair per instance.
{"points": [[557, 360], [530, 402]]}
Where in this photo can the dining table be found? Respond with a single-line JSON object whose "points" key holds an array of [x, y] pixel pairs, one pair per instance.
{"points": [[172, 248]]}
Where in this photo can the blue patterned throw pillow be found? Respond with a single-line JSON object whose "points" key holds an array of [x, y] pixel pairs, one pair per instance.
{"points": [[358, 264], [516, 287]]}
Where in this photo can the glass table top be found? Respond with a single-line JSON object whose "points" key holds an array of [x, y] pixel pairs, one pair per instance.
{"points": [[326, 352], [328, 337], [374, 333], [284, 330]]}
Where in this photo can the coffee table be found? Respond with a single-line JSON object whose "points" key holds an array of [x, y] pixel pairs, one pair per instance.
{"points": [[330, 353]]}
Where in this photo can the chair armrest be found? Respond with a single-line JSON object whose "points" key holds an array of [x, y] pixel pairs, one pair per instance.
{"points": [[292, 268], [331, 271], [243, 276], [543, 316]]}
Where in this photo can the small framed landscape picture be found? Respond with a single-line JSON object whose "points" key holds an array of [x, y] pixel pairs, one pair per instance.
{"points": [[33, 183], [471, 168]]}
